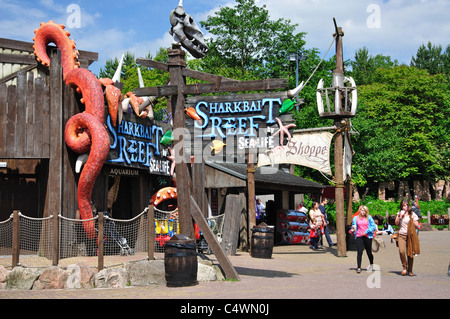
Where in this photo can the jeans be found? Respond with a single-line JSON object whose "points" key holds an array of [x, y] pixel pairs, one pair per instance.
{"points": [[361, 244]]}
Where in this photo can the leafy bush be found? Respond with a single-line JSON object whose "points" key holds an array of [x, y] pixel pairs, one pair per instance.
{"points": [[379, 207]]}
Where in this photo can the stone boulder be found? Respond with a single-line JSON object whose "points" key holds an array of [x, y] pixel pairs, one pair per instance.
{"points": [[206, 273], [146, 272], [111, 278], [22, 278], [52, 278], [3, 276], [80, 276]]}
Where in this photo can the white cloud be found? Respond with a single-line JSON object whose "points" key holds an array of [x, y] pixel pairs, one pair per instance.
{"points": [[404, 24]]}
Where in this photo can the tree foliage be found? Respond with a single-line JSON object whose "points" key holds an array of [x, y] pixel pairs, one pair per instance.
{"points": [[365, 65], [432, 58], [403, 121], [247, 44]]}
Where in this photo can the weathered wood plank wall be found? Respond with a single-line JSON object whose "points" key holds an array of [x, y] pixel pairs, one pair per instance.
{"points": [[24, 118]]}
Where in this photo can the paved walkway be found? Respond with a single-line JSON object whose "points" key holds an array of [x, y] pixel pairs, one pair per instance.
{"points": [[297, 272]]}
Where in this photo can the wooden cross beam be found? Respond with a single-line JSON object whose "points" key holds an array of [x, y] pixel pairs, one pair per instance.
{"points": [[178, 90], [219, 84]]}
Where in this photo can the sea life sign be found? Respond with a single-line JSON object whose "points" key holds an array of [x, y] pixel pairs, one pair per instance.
{"points": [[136, 143], [306, 149], [247, 121]]}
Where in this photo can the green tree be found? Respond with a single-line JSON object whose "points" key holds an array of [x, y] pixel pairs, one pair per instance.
{"points": [[111, 65], [247, 44], [430, 57], [365, 65], [404, 126]]}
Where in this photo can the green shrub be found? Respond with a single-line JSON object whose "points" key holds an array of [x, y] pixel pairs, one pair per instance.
{"points": [[379, 207]]}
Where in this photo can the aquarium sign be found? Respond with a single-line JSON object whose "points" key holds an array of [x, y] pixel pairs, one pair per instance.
{"points": [[135, 143]]}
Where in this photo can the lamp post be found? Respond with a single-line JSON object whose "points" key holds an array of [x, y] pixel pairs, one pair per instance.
{"points": [[296, 56]]}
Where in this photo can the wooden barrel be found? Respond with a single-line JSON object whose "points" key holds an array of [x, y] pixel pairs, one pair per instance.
{"points": [[180, 262], [262, 241]]}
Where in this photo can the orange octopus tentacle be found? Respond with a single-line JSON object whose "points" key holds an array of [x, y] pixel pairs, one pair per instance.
{"points": [[84, 132], [91, 90], [98, 154], [51, 32]]}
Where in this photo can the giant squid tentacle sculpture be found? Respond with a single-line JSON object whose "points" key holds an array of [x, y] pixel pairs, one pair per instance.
{"points": [[75, 127], [84, 132], [51, 32]]}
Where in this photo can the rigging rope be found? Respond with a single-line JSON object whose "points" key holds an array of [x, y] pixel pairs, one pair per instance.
{"points": [[334, 38]]}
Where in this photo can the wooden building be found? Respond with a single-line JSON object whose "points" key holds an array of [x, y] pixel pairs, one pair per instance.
{"points": [[37, 169]]}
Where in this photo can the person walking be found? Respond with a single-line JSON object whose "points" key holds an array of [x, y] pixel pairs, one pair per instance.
{"points": [[316, 222], [363, 227], [408, 241], [325, 226]]}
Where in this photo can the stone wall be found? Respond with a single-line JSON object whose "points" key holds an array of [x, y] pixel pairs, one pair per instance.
{"points": [[425, 190], [81, 276]]}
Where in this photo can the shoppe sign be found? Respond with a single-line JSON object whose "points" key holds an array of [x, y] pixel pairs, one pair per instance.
{"points": [[135, 143]]}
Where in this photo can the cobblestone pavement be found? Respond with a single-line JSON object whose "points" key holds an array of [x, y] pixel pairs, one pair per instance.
{"points": [[297, 272]]}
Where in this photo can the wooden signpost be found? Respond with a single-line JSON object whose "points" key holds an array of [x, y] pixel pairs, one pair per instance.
{"points": [[188, 206]]}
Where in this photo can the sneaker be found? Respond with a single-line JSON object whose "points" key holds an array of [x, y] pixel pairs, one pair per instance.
{"points": [[358, 271]]}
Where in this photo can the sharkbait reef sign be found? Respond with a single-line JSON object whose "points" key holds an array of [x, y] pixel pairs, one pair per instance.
{"points": [[248, 119], [135, 143]]}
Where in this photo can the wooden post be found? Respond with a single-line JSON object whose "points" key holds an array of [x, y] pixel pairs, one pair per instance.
{"points": [[176, 64], [55, 175], [16, 239], [338, 154], [251, 195], [339, 194], [231, 224], [230, 272], [55, 253], [151, 232], [100, 240], [349, 200]]}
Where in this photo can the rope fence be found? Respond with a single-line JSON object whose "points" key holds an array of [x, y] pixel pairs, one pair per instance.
{"points": [[61, 241]]}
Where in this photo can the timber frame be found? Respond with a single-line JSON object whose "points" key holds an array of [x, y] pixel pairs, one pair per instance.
{"points": [[192, 201]]}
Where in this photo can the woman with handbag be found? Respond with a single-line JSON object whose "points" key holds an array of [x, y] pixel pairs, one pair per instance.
{"points": [[408, 241], [363, 227]]}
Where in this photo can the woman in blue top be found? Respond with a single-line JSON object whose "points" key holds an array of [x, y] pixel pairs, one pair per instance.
{"points": [[363, 227]]}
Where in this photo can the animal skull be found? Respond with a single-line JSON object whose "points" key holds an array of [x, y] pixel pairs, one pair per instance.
{"points": [[185, 31]]}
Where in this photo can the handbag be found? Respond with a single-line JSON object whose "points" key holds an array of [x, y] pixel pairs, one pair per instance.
{"points": [[394, 236]]}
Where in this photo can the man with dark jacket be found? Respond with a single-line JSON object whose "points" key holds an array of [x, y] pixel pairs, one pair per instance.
{"points": [[325, 230]]}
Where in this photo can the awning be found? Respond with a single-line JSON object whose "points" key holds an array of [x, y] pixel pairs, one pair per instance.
{"points": [[269, 178]]}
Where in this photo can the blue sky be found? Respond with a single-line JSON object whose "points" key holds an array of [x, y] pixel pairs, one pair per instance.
{"points": [[395, 27]]}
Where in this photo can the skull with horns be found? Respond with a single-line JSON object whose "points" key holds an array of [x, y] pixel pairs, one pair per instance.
{"points": [[185, 31]]}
